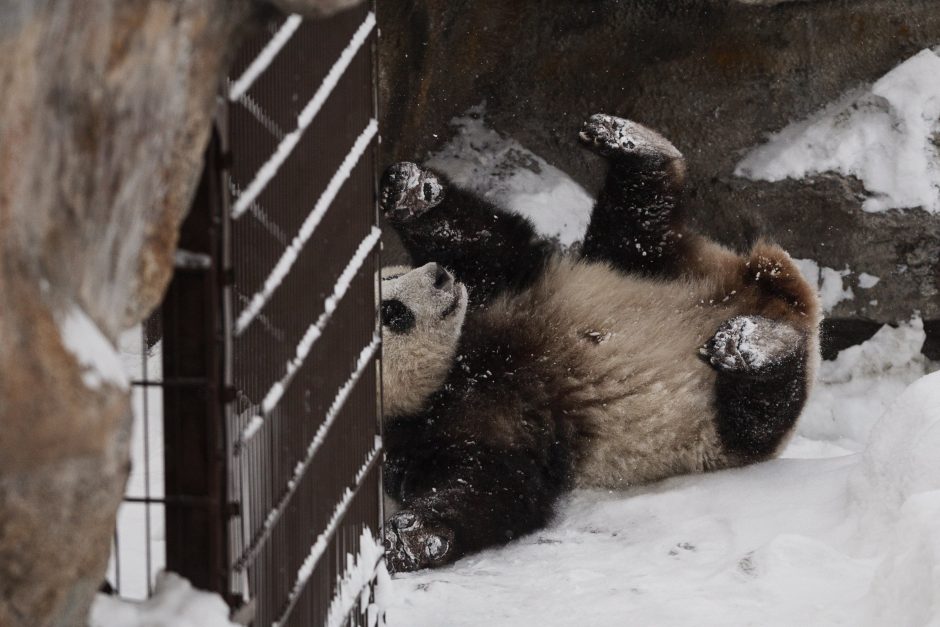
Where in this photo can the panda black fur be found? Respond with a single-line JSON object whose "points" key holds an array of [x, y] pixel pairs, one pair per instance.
{"points": [[654, 352]]}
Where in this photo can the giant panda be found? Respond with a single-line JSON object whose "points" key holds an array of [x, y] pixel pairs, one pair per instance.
{"points": [[513, 373]]}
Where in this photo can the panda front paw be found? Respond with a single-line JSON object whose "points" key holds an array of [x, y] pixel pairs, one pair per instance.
{"points": [[413, 542], [611, 136], [752, 345], [408, 191]]}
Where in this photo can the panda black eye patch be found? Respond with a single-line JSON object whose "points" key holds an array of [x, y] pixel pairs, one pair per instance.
{"points": [[396, 316]]}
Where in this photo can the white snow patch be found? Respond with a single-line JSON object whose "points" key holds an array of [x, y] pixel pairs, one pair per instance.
{"points": [[502, 170], [884, 135], [100, 362], [828, 281], [854, 390], [867, 281], [844, 539], [175, 603]]}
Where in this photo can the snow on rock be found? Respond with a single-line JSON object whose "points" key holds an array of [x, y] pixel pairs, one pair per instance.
{"points": [[511, 176], [828, 281], [100, 362], [175, 603], [867, 281], [843, 539], [883, 135]]}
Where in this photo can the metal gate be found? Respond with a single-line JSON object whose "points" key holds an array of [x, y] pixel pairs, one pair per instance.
{"points": [[270, 381]]}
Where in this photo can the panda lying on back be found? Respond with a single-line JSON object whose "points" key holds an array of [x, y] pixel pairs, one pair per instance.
{"points": [[526, 373]]}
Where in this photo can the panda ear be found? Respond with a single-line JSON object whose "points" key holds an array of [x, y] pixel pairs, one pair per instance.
{"points": [[396, 316]]}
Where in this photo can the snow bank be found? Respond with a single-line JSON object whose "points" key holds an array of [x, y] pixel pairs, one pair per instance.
{"points": [[175, 603], [838, 540], [883, 135], [100, 362], [897, 486], [854, 390], [512, 177]]}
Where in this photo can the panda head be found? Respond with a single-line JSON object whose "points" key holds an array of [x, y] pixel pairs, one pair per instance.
{"points": [[423, 311]]}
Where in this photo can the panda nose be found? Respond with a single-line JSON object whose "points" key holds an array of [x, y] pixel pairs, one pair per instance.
{"points": [[442, 278]]}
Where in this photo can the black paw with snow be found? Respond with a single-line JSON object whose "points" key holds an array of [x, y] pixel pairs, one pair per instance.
{"points": [[408, 190], [412, 542], [611, 136], [751, 345]]}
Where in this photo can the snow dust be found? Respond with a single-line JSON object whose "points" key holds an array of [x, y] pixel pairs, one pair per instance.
{"points": [[884, 134]]}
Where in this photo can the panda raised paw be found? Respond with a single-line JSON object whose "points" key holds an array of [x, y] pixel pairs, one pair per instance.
{"points": [[751, 345], [408, 191], [413, 542], [611, 136]]}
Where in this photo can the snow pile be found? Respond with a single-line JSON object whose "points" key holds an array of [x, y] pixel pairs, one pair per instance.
{"points": [[100, 362], [512, 177], [854, 390], [843, 539], [175, 603], [884, 135]]}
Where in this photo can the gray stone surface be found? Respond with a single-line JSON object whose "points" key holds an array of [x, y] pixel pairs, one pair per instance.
{"points": [[715, 76]]}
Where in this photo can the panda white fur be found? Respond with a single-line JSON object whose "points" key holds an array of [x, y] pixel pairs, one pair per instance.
{"points": [[653, 352]]}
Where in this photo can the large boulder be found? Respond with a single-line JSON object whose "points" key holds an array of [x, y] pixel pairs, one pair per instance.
{"points": [[716, 76], [104, 115]]}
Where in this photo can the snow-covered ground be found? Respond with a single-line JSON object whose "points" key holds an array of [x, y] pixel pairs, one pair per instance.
{"points": [[175, 603], [843, 530]]}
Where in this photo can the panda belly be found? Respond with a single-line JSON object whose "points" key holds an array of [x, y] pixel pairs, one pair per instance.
{"points": [[642, 395]]}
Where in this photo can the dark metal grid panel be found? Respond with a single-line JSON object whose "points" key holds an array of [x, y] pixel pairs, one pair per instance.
{"points": [[268, 343], [276, 215], [301, 65], [286, 498]]}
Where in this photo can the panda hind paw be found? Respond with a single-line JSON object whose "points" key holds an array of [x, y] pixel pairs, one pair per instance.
{"points": [[611, 136], [408, 191], [751, 345], [413, 542]]}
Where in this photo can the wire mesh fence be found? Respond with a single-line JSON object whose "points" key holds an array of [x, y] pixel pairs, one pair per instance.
{"points": [[267, 384]]}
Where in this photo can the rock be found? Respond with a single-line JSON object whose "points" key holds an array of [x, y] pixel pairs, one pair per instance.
{"points": [[716, 77], [104, 116]]}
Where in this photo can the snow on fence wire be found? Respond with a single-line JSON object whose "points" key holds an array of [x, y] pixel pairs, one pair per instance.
{"points": [[270, 431]]}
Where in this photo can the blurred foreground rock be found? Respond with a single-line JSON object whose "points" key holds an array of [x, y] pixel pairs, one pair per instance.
{"points": [[715, 76], [105, 111]]}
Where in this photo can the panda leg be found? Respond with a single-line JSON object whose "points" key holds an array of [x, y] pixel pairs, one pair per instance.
{"points": [[488, 249], [464, 501], [636, 224], [762, 384]]}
